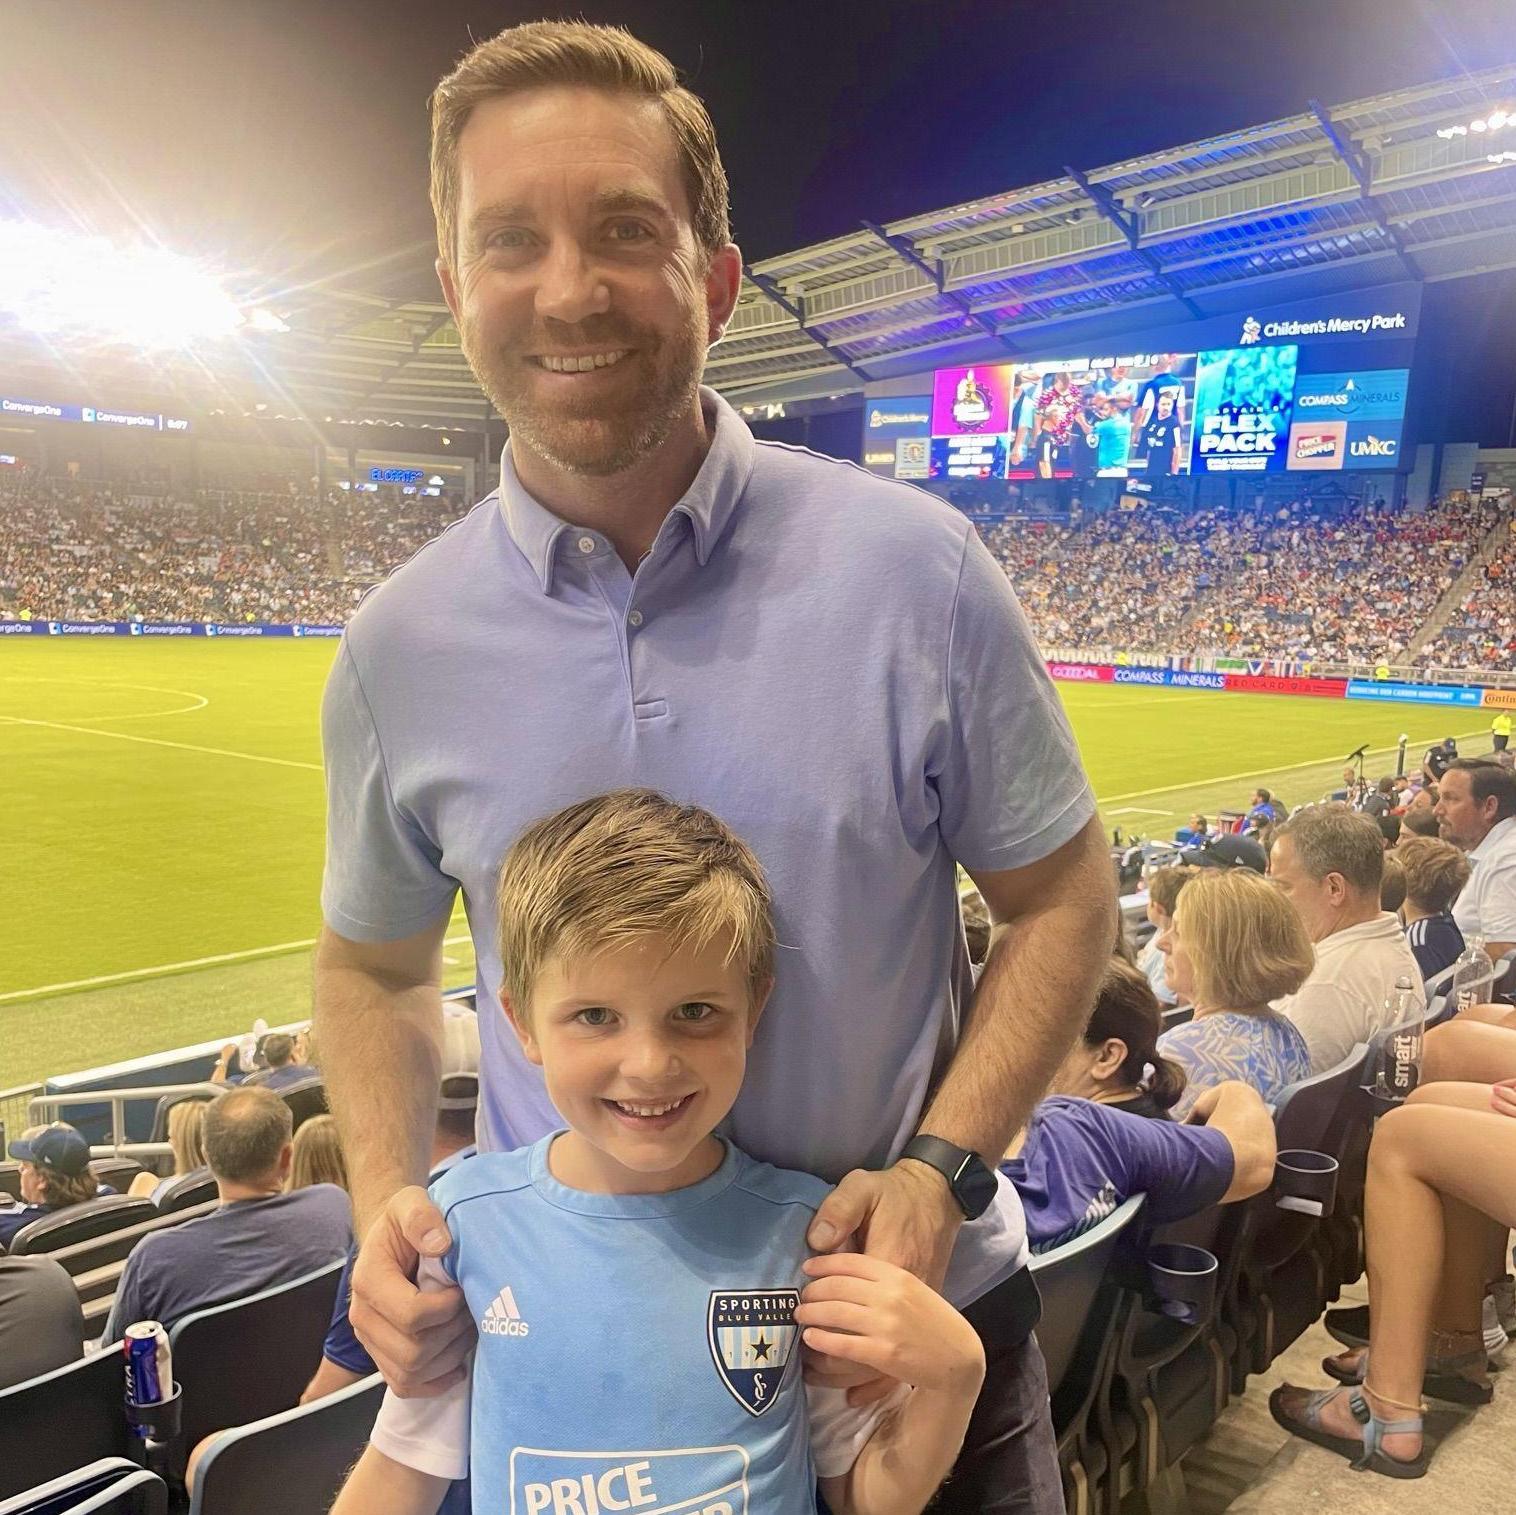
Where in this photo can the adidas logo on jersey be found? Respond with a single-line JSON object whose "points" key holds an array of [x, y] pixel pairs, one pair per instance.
{"points": [[503, 1318]]}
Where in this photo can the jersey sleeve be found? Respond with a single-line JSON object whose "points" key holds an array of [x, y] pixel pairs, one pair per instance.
{"points": [[430, 1435], [1009, 781], [383, 877], [840, 1431]]}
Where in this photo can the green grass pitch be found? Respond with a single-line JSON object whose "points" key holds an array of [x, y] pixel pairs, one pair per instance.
{"points": [[164, 833]]}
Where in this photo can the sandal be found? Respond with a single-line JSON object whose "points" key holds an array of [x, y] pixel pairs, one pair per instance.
{"points": [[1443, 1379], [1368, 1452]]}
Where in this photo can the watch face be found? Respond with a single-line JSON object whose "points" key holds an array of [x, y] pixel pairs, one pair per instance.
{"points": [[976, 1187]]}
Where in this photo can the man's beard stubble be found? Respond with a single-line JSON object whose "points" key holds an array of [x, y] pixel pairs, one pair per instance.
{"points": [[596, 445]]}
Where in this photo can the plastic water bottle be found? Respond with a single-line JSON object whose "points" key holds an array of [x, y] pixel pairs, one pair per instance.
{"points": [[1403, 1059], [1473, 977]]}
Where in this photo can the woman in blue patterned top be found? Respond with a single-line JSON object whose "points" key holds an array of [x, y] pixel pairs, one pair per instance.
{"points": [[1234, 946]]}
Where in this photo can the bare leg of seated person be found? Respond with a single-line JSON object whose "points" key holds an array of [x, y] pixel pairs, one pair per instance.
{"points": [[1469, 1050], [1439, 1170]]}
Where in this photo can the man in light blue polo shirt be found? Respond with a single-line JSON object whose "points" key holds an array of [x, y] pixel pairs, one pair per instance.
{"points": [[832, 663]]}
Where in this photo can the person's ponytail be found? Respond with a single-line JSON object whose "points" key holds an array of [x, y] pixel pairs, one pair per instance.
{"points": [[1166, 1082]]}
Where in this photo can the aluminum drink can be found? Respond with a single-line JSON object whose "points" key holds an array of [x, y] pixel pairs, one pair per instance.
{"points": [[149, 1367]]}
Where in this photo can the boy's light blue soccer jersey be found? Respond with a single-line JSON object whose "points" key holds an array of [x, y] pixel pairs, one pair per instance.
{"points": [[637, 1352]]}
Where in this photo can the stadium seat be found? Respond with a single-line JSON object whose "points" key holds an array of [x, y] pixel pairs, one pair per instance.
{"points": [[82, 1258], [1439, 1009], [305, 1100], [118, 1172], [186, 1191], [10, 1179], [112, 1486], [252, 1357], [1290, 1272], [95, 1217], [53, 1424], [1177, 1015], [293, 1462], [166, 1103], [1079, 1302]]}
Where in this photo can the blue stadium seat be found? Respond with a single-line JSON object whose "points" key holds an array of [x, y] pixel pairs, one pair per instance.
{"points": [[118, 1172], [306, 1099], [166, 1103], [186, 1191], [252, 1357], [76, 1223], [112, 1486], [1079, 1303], [53, 1424], [293, 1462]]}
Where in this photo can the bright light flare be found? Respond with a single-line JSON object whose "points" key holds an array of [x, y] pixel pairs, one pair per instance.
{"points": [[64, 283]]}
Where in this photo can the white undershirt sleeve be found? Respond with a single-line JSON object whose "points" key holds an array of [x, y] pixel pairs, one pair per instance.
{"points": [[430, 1435], [840, 1431]]}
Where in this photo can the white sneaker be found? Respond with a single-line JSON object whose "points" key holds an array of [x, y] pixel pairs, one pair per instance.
{"points": [[1495, 1338]]}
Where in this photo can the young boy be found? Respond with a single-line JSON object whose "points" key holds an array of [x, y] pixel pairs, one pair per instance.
{"points": [[636, 1279]]}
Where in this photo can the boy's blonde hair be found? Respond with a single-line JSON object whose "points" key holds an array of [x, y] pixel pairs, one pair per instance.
{"points": [[1246, 944], [621, 867]]}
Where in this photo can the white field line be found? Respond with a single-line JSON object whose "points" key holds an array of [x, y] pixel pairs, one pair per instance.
{"points": [[1257, 773], [194, 962], [158, 741], [1137, 810], [200, 701]]}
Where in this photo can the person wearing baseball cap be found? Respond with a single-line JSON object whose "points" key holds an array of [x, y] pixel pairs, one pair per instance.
{"points": [[54, 1174]]}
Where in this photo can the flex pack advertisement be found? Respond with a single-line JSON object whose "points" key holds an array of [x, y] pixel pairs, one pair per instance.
{"points": [[1244, 399]]}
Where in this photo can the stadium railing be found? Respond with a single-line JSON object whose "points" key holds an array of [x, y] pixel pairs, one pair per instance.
{"points": [[51, 1107]]}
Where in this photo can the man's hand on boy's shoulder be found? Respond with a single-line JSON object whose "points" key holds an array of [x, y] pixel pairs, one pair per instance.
{"points": [[905, 1215], [862, 1310], [418, 1339]]}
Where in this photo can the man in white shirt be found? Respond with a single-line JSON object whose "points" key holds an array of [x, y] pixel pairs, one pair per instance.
{"points": [[1476, 810], [1328, 862]]}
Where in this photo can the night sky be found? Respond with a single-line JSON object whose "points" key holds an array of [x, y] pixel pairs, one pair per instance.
{"points": [[286, 139]]}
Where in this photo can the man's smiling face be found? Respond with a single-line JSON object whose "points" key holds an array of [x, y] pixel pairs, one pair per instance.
{"points": [[583, 300]]}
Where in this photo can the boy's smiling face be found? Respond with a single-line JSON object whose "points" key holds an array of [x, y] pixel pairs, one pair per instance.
{"points": [[643, 1050]]}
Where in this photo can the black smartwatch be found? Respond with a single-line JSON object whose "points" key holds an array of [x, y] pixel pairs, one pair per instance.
{"points": [[973, 1184]]}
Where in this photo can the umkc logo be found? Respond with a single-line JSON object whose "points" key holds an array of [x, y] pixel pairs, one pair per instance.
{"points": [[1373, 447]]}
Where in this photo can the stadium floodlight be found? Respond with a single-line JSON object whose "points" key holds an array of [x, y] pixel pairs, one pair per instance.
{"points": [[1496, 120], [70, 284]]}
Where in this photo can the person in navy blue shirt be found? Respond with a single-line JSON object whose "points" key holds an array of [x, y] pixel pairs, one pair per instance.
{"points": [[1435, 872], [54, 1174]]}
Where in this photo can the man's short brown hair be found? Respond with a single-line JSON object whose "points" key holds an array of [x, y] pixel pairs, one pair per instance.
{"points": [[540, 54], [620, 868], [244, 1132], [1435, 872], [1165, 884], [1489, 780]]}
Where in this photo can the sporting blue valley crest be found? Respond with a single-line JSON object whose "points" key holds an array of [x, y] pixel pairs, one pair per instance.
{"points": [[751, 1335]]}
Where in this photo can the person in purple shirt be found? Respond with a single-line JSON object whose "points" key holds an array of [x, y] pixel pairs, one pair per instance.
{"points": [[833, 663], [1079, 1161], [54, 1175]]}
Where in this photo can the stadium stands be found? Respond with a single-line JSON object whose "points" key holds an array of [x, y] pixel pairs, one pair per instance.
{"points": [[1311, 582]]}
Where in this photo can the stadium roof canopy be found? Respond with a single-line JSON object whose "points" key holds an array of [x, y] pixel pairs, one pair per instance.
{"points": [[1419, 183]]}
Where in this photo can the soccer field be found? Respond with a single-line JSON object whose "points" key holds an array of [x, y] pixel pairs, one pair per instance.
{"points": [[164, 828]]}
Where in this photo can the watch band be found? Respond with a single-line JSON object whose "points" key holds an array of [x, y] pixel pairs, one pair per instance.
{"points": [[963, 1170]]}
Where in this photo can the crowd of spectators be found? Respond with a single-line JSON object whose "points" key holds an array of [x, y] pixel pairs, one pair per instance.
{"points": [[81, 550], [1311, 581], [1308, 582]]}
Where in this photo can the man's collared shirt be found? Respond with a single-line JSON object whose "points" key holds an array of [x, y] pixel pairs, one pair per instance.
{"points": [[1350, 994], [1487, 905], [830, 662]]}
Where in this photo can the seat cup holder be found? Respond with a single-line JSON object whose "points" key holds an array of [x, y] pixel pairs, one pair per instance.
{"points": [[1305, 1182], [1184, 1280]]}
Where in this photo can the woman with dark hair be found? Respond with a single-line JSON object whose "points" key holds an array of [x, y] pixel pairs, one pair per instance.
{"points": [[1116, 1061], [1087, 1148]]}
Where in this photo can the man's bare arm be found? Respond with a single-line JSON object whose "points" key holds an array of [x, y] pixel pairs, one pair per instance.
{"points": [[378, 1024], [1055, 930]]}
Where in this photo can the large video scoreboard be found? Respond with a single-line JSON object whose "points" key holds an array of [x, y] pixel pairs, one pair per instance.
{"points": [[1315, 387]]}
